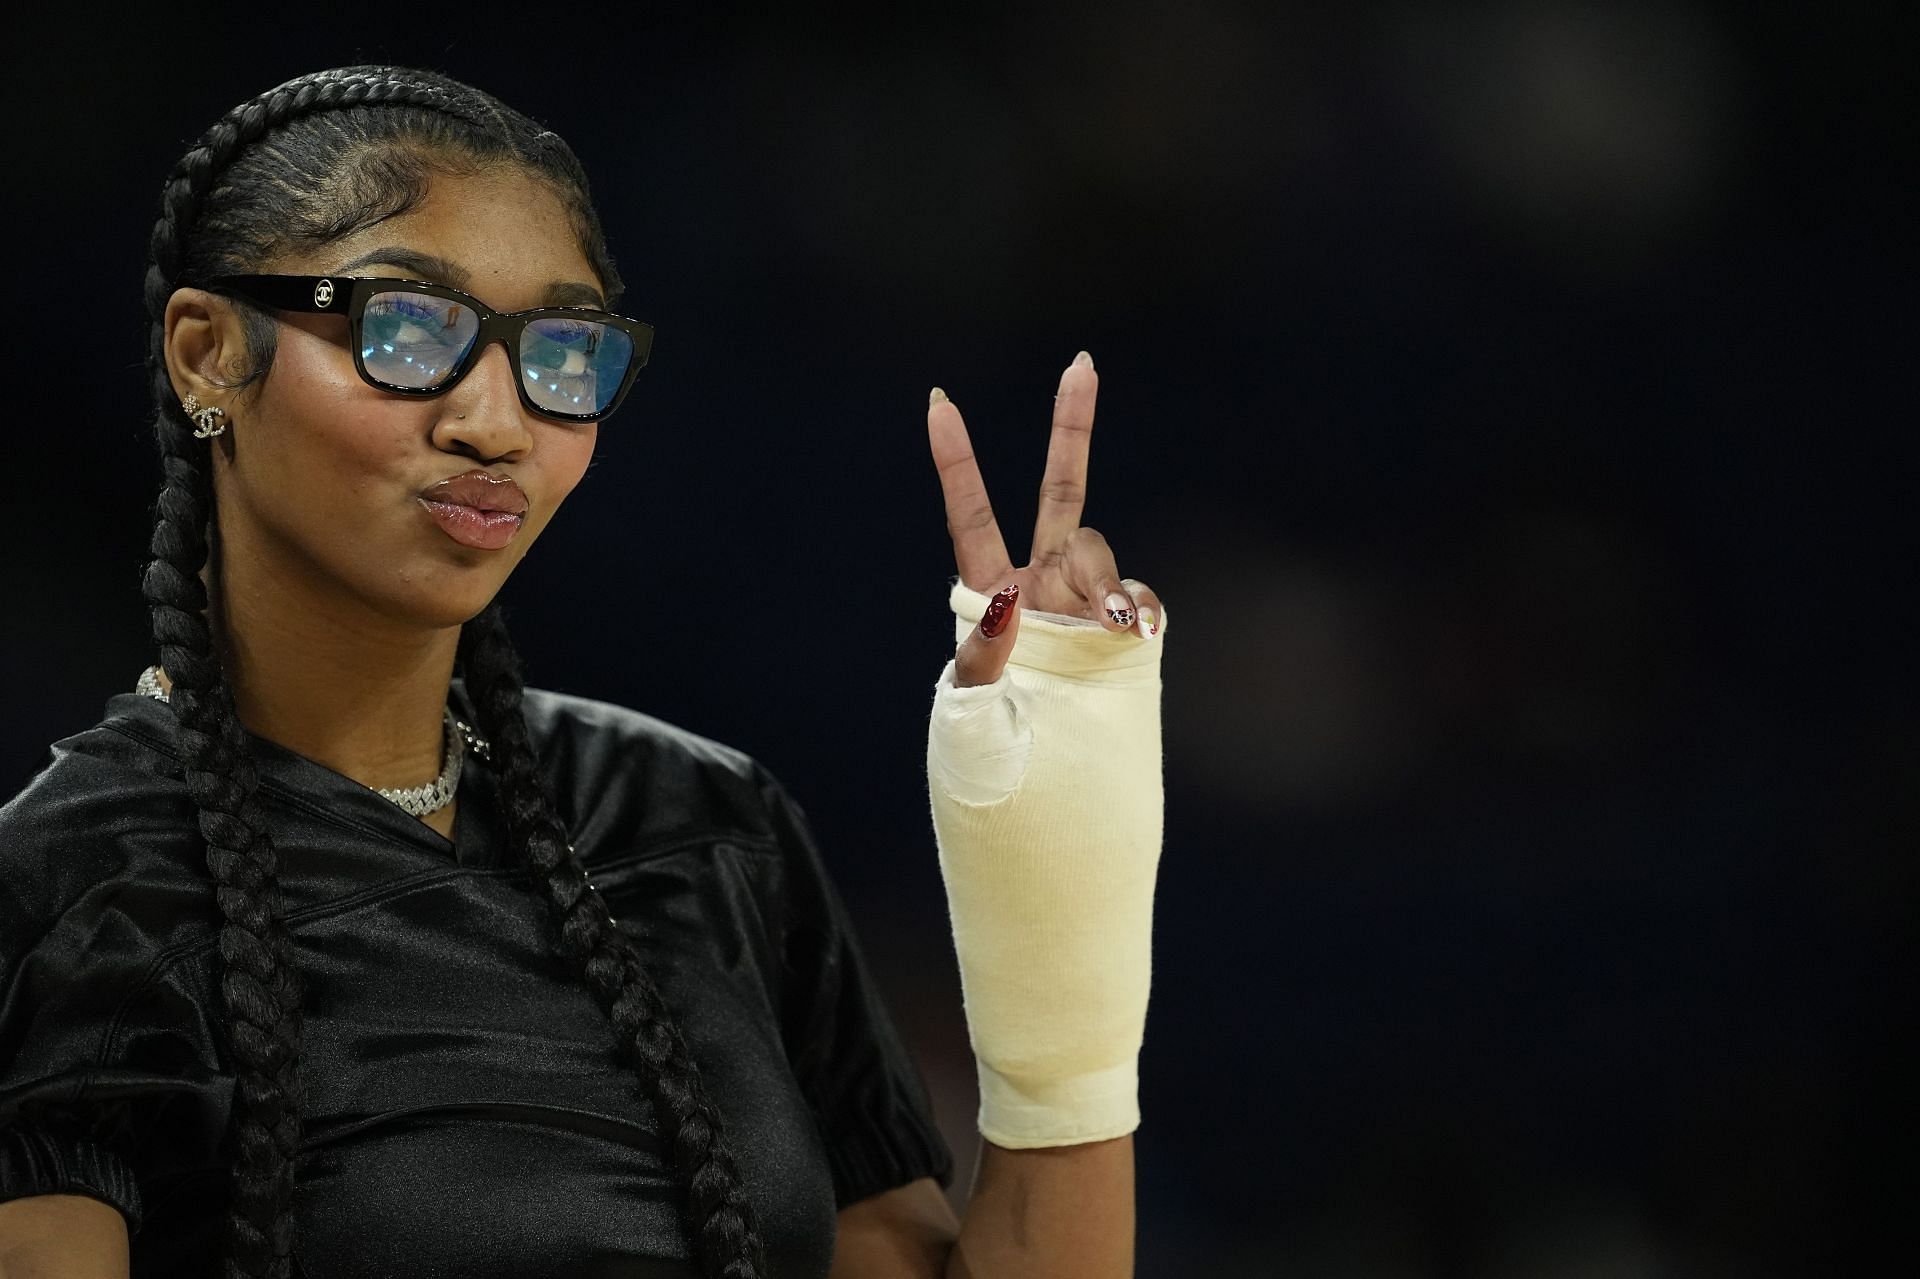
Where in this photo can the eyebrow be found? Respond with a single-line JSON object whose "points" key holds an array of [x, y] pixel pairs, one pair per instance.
{"points": [[426, 266]]}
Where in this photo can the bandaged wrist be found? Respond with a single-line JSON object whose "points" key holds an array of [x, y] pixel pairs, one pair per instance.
{"points": [[1048, 809]]}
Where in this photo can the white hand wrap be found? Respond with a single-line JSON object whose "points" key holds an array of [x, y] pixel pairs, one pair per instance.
{"points": [[1048, 808]]}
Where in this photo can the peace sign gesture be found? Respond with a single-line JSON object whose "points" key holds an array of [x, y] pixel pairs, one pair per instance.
{"points": [[1070, 569]]}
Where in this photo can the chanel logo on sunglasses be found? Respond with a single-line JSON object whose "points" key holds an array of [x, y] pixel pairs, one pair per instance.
{"points": [[323, 293]]}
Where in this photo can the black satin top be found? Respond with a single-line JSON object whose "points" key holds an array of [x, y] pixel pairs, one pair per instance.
{"points": [[465, 1115]]}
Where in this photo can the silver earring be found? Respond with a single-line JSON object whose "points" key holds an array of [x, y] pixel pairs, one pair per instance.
{"points": [[204, 418], [459, 417]]}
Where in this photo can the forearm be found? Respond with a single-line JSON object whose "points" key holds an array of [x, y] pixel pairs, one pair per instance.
{"points": [[62, 1236], [1048, 810], [1052, 1212]]}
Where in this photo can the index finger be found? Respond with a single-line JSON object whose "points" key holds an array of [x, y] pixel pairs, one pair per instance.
{"points": [[1063, 489], [979, 552]]}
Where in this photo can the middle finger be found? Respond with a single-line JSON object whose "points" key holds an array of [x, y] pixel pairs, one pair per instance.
{"points": [[979, 552]]}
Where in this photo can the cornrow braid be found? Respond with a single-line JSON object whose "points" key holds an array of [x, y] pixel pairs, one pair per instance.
{"points": [[259, 985], [715, 1212], [267, 174]]}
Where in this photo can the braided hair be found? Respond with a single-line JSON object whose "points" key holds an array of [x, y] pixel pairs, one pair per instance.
{"points": [[303, 165]]}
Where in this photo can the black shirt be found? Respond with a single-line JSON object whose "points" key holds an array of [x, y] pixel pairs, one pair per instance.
{"points": [[464, 1114]]}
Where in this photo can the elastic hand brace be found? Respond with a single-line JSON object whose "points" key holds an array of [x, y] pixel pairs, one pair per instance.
{"points": [[1048, 808]]}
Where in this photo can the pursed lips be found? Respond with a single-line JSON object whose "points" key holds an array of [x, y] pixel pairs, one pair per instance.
{"points": [[476, 509], [480, 490]]}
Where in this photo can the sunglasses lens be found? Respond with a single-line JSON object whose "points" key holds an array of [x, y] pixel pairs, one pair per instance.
{"points": [[574, 366], [415, 340]]}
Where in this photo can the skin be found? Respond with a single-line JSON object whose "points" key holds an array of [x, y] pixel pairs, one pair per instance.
{"points": [[340, 604], [1070, 569], [1062, 1212], [62, 1237], [339, 600]]}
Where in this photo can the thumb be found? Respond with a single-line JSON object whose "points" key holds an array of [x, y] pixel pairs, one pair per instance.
{"points": [[983, 654]]}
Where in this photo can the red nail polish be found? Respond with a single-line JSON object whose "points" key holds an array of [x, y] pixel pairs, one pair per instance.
{"points": [[997, 609]]}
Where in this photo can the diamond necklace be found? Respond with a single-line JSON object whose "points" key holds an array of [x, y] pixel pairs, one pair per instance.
{"points": [[418, 800]]}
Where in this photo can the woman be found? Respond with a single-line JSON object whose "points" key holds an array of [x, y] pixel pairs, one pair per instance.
{"points": [[381, 345]]}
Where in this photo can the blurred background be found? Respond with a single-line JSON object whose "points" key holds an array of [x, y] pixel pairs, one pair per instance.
{"points": [[1499, 394]]}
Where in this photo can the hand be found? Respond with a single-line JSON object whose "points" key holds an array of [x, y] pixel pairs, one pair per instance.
{"points": [[1070, 569]]}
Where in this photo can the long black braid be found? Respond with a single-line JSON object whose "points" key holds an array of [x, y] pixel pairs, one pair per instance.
{"points": [[716, 1212], [304, 164]]}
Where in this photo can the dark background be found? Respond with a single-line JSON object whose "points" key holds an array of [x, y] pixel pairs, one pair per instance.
{"points": [[1499, 395]]}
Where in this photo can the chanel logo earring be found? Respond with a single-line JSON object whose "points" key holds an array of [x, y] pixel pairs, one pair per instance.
{"points": [[205, 418]]}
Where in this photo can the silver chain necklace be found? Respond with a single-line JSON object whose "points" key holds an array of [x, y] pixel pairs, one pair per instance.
{"points": [[418, 800]]}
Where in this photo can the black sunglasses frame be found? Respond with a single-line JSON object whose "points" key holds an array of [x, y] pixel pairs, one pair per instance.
{"points": [[348, 294]]}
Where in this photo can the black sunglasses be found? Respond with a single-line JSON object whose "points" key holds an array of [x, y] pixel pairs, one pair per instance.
{"points": [[414, 337]]}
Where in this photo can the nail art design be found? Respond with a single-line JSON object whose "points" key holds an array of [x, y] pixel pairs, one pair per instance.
{"points": [[1120, 609], [997, 609]]}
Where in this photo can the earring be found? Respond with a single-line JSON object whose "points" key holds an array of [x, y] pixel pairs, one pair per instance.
{"points": [[204, 418]]}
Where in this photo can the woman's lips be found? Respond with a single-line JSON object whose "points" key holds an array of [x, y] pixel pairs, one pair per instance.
{"points": [[485, 530], [477, 508]]}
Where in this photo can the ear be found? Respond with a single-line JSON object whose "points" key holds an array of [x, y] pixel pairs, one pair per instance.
{"points": [[205, 345]]}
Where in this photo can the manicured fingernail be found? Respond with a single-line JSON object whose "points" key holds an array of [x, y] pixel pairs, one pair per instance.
{"points": [[1146, 626], [1083, 360], [1120, 609], [936, 396], [997, 610]]}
